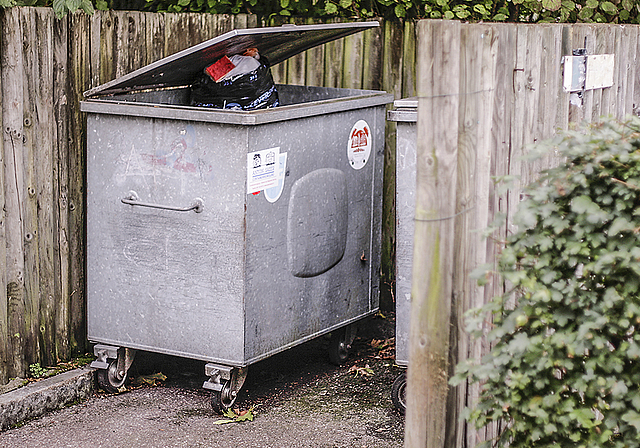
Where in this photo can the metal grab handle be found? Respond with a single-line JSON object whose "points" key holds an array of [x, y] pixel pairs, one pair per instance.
{"points": [[134, 199]]}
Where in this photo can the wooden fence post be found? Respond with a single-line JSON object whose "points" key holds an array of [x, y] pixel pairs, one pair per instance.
{"points": [[12, 116], [437, 151]]}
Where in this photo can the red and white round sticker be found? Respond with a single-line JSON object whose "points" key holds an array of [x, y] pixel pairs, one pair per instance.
{"points": [[359, 146]]}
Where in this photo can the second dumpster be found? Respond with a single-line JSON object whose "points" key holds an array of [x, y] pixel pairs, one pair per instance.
{"points": [[229, 235], [405, 114]]}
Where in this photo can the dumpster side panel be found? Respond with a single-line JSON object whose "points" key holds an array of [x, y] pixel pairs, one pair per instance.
{"points": [[310, 266], [405, 209], [161, 279]]}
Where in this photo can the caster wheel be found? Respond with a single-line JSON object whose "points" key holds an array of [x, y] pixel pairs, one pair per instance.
{"points": [[109, 379], [222, 400], [399, 393], [339, 347]]}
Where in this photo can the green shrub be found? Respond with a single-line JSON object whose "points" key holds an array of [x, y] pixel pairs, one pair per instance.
{"points": [[564, 370]]}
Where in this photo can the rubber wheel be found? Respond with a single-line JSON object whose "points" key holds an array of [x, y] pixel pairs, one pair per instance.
{"points": [[222, 400], [399, 393], [108, 379], [338, 348]]}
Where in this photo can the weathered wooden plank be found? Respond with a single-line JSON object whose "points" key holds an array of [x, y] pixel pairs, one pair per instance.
{"points": [[154, 39], [631, 38], [61, 97], [625, 54], [636, 79], [30, 232], [4, 330], [108, 32], [12, 117], [584, 37], [391, 70], [43, 160], [95, 36], [279, 71], [176, 38], [333, 55], [409, 60], [352, 61], [372, 59], [468, 133], [392, 58], [79, 79], [314, 62], [296, 65], [562, 113], [427, 377]]}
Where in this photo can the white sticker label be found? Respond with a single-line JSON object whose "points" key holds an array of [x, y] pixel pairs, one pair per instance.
{"points": [[359, 146], [273, 194], [262, 169]]}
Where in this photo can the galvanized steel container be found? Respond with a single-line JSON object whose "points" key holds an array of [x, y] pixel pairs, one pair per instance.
{"points": [[405, 114], [228, 236]]}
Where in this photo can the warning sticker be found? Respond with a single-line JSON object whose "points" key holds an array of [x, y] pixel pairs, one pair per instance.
{"points": [[359, 146], [262, 169]]}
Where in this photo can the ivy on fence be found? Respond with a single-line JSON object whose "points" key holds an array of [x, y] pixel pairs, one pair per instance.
{"points": [[530, 11]]}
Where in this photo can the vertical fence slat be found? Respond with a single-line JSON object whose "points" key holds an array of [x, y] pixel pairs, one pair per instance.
{"points": [[44, 180], [79, 78], [30, 200], [391, 83], [12, 116], [372, 59], [409, 60], [333, 54], [61, 98], [296, 65], [5, 351], [438, 99], [468, 133], [314, 62], [352, 62]]}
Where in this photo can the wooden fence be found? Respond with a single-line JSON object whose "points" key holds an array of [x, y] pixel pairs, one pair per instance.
{"points": [[486, 91], [46, 65], [497, 86]]}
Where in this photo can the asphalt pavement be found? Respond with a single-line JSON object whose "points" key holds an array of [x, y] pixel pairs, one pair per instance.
{"points": [[296, 398]]}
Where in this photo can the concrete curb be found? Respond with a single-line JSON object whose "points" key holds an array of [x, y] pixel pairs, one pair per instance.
{"points": [[38, 398]]}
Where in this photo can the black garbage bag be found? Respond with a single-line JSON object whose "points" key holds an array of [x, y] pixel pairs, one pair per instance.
{"points": [[250, 91]]}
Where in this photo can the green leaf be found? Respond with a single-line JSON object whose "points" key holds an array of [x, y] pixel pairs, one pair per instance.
{"points": [[480, 9], [184, 2], [87, 7], [551, 5], [284, 4], [500, 17], [346, 4], [609, 8], [400, 11], [330, 8], [585, 14], [448, 15]]}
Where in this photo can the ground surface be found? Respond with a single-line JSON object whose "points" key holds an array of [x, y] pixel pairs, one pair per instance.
{"points": [[298, 398]]}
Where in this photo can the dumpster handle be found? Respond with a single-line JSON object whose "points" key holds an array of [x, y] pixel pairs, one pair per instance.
{"points": [[134, 199]]}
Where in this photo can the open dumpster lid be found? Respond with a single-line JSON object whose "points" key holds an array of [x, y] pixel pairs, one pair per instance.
{"points": [[276, 43]]}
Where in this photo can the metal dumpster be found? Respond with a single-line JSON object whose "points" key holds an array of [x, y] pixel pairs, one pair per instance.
{"points": [[228, 236], [405, 114]]}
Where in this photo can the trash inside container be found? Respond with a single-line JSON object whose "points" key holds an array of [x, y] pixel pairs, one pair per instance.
{"points": [[228, 235], [405, 114]]}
